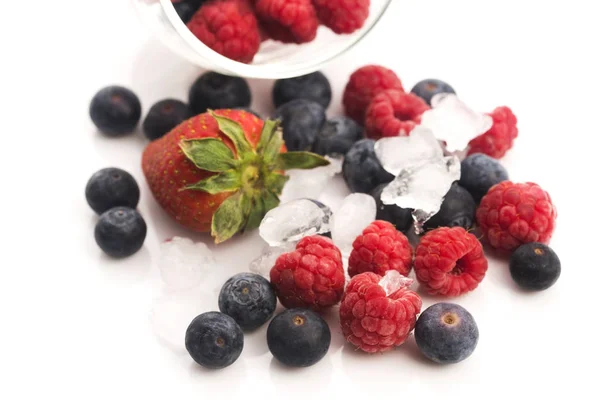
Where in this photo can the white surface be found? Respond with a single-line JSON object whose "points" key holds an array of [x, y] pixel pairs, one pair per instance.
{"points": [[75, 324]]}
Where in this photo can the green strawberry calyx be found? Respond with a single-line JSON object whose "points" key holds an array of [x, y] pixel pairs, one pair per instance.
{"points": [[254, 176]]}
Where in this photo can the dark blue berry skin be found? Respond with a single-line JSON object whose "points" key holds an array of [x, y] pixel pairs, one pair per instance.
{"points": [[298, 337], [314, 87], [120, 232], [479, 172], [249, 110], [249, 299], [111, 187], [362, 170], [301, 122], [458, 209], [428, 88], [215, 91], [337, 136], [446, 333], [115, 111], [187, 8], [400, 217], [534, 266], [164, 116], [214, 340]]}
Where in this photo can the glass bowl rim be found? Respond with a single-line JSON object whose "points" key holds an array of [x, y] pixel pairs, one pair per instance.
{"points": [[261, 71]]}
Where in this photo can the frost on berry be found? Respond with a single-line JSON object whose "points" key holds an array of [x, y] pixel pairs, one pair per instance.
{"points": [[423, 175], [394, 281]]}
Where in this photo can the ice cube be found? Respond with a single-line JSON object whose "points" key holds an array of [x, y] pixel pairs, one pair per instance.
{"points": [[356, 212], [398, 153], [393, 281], [183, 263], [172, 313], [291, 221], [266, 260], [423, 188], [310, 183], [454, 122]]}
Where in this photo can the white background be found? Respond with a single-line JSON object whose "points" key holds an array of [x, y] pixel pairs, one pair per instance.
{"points": [[75, 324]]}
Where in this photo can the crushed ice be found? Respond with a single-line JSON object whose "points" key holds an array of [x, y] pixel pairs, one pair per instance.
{"points": [[393, 281], [454, 122], [356, 212], [266, 260], [183, 263], [310, 183], [423, 174], [291, 221]]}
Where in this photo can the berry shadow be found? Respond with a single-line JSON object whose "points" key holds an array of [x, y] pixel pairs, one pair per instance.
{"points": [[255, 342], [318, 374], [235, 372], [134, 268], [332, 317]]}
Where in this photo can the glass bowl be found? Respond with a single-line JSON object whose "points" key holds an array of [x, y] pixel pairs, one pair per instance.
{"points": [[274, 60]]}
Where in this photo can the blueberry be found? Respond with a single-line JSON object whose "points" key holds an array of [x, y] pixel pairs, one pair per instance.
{"points": [[428, 88], [215, 91], [362, 170], [534, 266], [214, 340], [446, 333], [458, 209], [314, 87], [164, 116], [111, 187], [479, 172], [115, 111], [187, 8], [337, 136], [400, 217], [249, 299], [120, 232], [301, 121], [298, 337], [249, 110]]}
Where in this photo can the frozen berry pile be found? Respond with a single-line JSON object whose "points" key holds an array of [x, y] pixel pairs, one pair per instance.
{"points": [[216, 166], [236, 28]]}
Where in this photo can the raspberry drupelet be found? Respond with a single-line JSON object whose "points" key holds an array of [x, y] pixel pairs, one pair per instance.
{"points": [[380, 248], [449, 261], [311, 276], [499, 138], [364, 84], [229, 27], [393, 113], [374, 321], [511, 214]]}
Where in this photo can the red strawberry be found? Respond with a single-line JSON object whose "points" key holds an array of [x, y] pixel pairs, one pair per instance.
{"points": [[221, 171]]}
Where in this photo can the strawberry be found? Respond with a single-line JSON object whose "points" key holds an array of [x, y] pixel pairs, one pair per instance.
{"points": [[221, 171]]}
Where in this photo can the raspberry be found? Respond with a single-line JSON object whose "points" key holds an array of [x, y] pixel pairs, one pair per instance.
{"points": [[342, 16], [228, 27], [450, 261], [373, 321], [364, 84], [393, 113], [499, 138], [289, 21], [511, 214], [311, 276], [379, 249]]}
